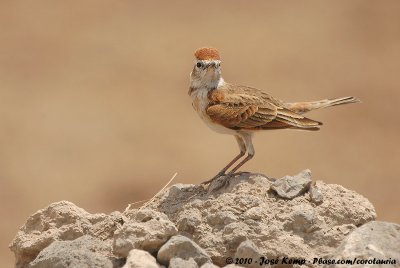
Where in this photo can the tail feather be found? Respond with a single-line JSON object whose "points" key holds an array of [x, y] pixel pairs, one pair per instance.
{"points": [[288, 119], [303, 107], [285, 124], [340, 101]]}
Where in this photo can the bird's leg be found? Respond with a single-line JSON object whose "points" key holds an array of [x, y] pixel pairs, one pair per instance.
{"points": [[250, 152], [242, 148], [226, 180], [222, 172], [248, 157]]}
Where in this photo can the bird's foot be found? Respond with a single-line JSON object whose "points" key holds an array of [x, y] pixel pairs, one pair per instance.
{"points": [[220, 174], [220, 182]]}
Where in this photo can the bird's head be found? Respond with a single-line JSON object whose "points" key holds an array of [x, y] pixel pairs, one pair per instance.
{"points": [[206, 71]]}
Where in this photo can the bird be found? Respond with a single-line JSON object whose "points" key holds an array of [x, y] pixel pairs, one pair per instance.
{"points": [[242, 111]]}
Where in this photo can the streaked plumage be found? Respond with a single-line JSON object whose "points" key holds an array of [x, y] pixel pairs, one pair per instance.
{"points": [[245, 108], [241, 110]]}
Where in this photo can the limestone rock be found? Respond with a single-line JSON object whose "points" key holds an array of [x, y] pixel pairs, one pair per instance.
{"points": [[291, 186], [85, 252], [184, 248], [375, 239], [181, 263], [146, 229], [315, 194], [247, 210], [140, 259], [247, 249], [190, 222], [57, 222], [209, 265], [223, 217]]}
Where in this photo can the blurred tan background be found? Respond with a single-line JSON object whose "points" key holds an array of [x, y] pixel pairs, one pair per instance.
{"points": [[94, 106]]}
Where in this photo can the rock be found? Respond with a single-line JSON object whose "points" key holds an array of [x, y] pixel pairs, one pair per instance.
{"points": [[209, 265], [146, 229], [315, 194], [375, 239], [248, 210], [83, 252], [253, 213], [57, 222], [246, 250], [291, 186], [184, 248], [235, 233], [140, 259], [181, 263], [222, 218], [303, 218], [176, 190], [188, 221]]}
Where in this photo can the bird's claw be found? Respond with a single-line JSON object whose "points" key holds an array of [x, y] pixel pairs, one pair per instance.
{"points": [[220, 174], [222, 181]]}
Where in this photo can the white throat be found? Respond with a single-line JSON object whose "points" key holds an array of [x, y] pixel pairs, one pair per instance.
{"points": [[204, 84]]}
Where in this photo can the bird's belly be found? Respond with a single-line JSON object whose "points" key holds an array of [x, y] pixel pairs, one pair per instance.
{"points": [[219, 128]]}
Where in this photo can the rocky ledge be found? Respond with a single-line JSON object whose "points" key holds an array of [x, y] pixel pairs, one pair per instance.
{"points": [[289, 222]]}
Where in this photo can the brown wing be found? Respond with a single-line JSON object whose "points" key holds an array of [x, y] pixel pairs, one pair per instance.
{"points": [[240, 116], [240, 107]]}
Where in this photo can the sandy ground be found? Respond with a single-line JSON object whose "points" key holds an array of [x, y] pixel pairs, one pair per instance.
{"points": [[94, 106]]}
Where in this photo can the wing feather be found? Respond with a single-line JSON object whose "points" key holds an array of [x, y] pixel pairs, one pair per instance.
{"points": [[240, 107]]}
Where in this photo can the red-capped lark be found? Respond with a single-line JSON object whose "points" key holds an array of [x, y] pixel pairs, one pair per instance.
{"points": [[241, 111]]}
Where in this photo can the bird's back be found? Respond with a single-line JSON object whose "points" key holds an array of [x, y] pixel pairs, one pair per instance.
{"points": [[246, 108]]}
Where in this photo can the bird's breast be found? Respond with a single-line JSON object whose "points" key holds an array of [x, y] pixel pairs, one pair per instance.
{"points": [[200, 103]]}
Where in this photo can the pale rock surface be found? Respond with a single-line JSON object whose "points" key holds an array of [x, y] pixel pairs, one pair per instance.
{"points": [[247, 217], [146, 229], [58, 222], [247, 250], [184, 248], [84, 252], [140, 259], [315, 193], [181, 263], [375, 239], [291, 186], [247, 209], [209, 265]]}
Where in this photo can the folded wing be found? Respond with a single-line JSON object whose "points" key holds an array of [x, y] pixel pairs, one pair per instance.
{"points": [[251, 109]]}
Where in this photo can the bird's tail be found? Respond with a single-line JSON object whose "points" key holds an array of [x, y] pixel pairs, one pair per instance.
{"points": [[303, 107]]}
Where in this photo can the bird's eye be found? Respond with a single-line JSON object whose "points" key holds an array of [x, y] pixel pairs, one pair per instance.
{"points": [[199, 65]]}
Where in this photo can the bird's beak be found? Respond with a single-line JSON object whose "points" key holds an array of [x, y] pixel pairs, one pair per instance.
{"points": [[211, 67]]}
